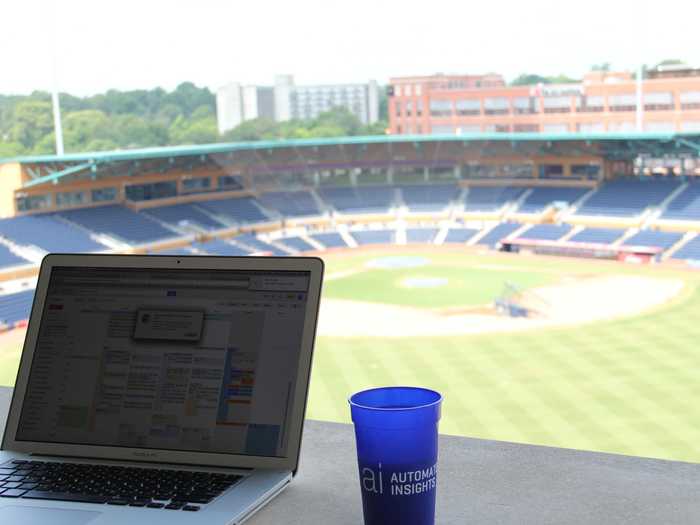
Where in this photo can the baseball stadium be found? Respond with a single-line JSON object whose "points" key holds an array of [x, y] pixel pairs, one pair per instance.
{"points": [[547, 285]]}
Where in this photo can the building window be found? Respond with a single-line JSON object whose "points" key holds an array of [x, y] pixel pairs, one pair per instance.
{"points": [[590, 127], [229, 182], [591, 104], [659, 127], [690, 100], [690, 125], [551, 171], [470, 106], [419, 108], [497, 128], [555, 128], [626, 102], [196, 185], [525, 105], [621, 126], [585, 171], [526, 128], [147, 192], [557, 104], [70, 198], [397, 91], [418, 89], [471, 128], [409, 108], [33, 202], [440, 108], [397, 108], [442, 130], [104, 194], [658, 101], [496, 106]]}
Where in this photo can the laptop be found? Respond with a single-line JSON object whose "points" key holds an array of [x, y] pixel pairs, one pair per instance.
{"points": [[159, 389]]}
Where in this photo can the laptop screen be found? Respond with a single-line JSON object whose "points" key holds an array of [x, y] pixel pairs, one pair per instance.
{"points": [[190, 360]]}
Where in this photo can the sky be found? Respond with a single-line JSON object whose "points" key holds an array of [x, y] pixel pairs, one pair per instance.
{"points": [[130, 44]]}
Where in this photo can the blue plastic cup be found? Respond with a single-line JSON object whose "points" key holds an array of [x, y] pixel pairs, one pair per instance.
{"points": [[396, 430]]}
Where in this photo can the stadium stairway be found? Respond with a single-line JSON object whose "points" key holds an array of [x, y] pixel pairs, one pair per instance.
{"points": [[670, 253]]}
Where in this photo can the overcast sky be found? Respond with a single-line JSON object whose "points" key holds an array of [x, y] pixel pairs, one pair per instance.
{"points": [[126, 44]]}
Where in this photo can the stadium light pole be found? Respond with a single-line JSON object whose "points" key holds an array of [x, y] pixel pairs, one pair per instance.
{"points": [[55, 102]]}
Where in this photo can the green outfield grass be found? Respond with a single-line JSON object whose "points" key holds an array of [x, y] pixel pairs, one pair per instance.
{"points": [[628, 385]]}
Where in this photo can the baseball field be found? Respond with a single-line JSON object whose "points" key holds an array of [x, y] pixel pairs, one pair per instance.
{"points": [[607, 359]]}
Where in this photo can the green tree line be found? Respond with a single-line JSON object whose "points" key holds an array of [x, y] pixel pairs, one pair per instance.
{"points": [[146, 118]]}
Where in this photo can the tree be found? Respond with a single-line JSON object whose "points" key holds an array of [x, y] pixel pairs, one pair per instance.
{"points": [[31, 120], [603, 66], [529, 79]]}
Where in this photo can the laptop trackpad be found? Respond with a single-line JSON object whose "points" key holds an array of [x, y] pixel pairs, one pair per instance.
{"points": [[44, 516]]}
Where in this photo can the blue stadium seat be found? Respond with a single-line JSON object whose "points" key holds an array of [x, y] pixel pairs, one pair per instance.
{"points": [[546, 232], [49, 233], [654, 238], [459, 235], [686, 205], [15, 307], [8, 259], [220, 247], [421, 234], [249, 240], [330, 239], [374, 236], [178, 214], [363, 199], [290, 203], [429, 197], [298, 244], [542, 197], [691, 250], [598, 235], [621, 198], [120, 222], [498, 233], [242, 210], [490, 198]]}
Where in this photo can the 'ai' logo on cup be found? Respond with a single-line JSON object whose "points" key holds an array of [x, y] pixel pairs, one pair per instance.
{"points": [[400, 482]]}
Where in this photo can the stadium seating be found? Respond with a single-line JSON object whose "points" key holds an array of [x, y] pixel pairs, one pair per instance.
{"points": [[219, 247], [249, 240], [498, 233], [654, 238], [541, 197], [363, 199], [119, 222], [180, 214], [242, 210], [421, 234], [686, 205], [374, 236], [49, 233], [627, 197], [598, 235], [459, 235], [691, 250], [490, 198], [8, 259], [290, 203], [546, 232], [297, 243], [15, 307], [330, 239], [433, 197]]}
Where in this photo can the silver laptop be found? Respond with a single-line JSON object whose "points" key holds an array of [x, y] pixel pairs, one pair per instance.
{"points": [[159, 389]]}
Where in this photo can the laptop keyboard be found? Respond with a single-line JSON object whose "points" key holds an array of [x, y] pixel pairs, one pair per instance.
{"points": [[133, 486]]}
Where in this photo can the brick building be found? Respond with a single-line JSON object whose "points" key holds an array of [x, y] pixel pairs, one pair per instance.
{"points": [[602, 102]]}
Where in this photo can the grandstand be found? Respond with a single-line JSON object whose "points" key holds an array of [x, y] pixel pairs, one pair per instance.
{"points": [[313, 195]]}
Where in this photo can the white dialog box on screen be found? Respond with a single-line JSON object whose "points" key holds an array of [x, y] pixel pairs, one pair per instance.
{"points": [[170, 325]]}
